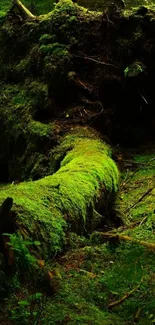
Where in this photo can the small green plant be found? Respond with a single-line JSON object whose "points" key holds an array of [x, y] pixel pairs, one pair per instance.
{"points": [[133, 70], [28, 311], [23, 257]]}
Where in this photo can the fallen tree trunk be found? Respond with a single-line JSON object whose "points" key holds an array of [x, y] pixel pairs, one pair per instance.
{"points": [[75, 198]]}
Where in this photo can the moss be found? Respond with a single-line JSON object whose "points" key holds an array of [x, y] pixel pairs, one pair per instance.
{"points": [[44, 205], [37, 6], [64, 21], [141, 181], [134, 69], [37, 92], [24, 139], [39, 129], [93, 277], [46, 39], [76, 310], [56, 49]]}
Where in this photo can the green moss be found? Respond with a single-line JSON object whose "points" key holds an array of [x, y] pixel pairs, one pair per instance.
{"points": [[37, 6], [55, 49], [134, 69], [66, 6], [27, 137], [76, 310], [44, 205], [22, 68], [37, 92], [133, 204], [94, 277], [46, 39], [39, 129]]}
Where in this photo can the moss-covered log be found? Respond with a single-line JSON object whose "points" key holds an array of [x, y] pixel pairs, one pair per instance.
{"points": [[78, 197]]}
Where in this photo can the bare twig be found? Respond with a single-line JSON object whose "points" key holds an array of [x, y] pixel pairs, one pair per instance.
{"points": [[130, 226], [127, 180], [137, 314], [139, 200], [126, 296], [142, 221], [141, 165], [116, 238], [94, 60], [138, 162]]}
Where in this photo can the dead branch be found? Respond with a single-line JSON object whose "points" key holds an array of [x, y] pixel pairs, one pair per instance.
{"points": [[137, 315], [94, 60], [130, 226], [128, 179], [139, 200], [143, 221], [140, 165], [116, 237], [126, 296], [132, 162]]}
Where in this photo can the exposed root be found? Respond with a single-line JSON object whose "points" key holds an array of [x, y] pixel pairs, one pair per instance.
{"points": [[26, 13]]}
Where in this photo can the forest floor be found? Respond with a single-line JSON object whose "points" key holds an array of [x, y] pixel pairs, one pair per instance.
{"points": [[103, 281], [80, 68], [101, 273]]}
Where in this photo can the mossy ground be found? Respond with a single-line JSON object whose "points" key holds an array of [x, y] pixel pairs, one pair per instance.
{"points": [[100, 273], [45, 90]]}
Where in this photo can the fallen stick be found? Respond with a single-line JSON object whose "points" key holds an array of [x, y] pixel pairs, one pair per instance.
{"points": [[130, 226], [143, 220], [126, 296], [141, 164], [94, 60], [127, 180], [117, 238], [137, 315], [139, 200], [138, 162]]}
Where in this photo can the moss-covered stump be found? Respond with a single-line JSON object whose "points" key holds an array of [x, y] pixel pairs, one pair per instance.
{"points": [[78, 197]]}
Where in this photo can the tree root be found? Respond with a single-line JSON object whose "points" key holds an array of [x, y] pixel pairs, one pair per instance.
{"points": [[26, 13]]}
